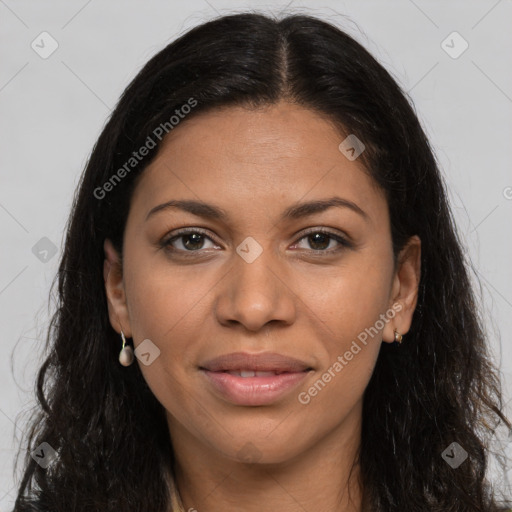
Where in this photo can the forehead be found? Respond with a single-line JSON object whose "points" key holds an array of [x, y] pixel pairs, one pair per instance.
{"points": [[256, 158]]}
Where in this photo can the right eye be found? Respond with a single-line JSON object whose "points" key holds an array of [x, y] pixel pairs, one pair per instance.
{"points": [[190, 240]]}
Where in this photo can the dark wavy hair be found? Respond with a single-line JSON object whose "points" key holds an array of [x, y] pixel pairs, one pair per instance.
{"points": [[440, 386]]}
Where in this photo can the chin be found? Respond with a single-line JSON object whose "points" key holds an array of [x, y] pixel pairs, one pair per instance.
{"points": [[264, 450]]}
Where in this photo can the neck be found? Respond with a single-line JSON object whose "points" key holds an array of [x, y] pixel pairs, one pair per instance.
{"points": [[319, 478]]}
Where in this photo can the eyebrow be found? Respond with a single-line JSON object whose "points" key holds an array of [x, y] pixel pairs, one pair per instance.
{"points": [[295, 211]]}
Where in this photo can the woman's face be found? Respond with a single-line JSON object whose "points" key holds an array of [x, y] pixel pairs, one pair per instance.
{"points": [[256, 281]]}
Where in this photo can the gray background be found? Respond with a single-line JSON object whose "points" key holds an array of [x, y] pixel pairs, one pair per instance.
{"points": [[53, 109]]}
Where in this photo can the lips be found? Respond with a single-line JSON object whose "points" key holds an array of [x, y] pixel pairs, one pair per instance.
{"points": [[251, 373], [254, 379], [245, 362]]}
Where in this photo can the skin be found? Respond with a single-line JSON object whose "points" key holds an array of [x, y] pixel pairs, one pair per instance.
{"points": [[291, 299]]}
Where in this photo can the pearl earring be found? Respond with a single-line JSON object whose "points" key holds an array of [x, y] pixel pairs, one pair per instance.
{"points": [[398, 337], [126, 354]]}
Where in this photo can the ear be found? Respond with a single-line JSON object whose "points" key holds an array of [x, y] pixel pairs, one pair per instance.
{"points": [[114, 288], [404, 292]]}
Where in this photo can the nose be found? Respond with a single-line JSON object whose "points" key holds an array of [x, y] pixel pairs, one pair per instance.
{"points": [[255, 294]]}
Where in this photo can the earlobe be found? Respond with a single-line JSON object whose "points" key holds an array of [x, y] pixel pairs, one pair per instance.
{"points": [[405, 289], [114, 289]]}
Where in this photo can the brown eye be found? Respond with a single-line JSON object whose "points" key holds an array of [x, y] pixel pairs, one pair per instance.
{"points": [[192, 241], [187, 241], [321, 241]]}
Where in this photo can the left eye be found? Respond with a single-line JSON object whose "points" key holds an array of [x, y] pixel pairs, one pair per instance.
{"points": [[320, 240]]}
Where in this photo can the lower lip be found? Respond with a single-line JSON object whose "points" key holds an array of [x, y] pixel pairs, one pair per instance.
{"points": [[254, 390]]}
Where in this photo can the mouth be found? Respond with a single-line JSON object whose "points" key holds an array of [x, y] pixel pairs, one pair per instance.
{"points": [[249, 388], [255, 373], [254, 379], [263, 362]]}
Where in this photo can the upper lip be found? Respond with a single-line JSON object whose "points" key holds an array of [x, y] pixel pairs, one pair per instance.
{"points": [[268, 361]]}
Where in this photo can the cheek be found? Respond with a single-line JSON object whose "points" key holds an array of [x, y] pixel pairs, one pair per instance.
{"points": [[348, 298], [168, 307], [348, 313], [335, 392], [347, 307], [164, 308], [165, 300]]}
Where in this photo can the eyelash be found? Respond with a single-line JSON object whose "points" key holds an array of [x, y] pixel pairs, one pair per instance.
{"points": [[167, 241]]}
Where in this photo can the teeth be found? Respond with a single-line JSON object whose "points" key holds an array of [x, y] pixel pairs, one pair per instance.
{"points": [[250, 373]]}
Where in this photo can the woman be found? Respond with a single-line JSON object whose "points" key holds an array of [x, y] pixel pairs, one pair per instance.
{"points": [[263, 221]]}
